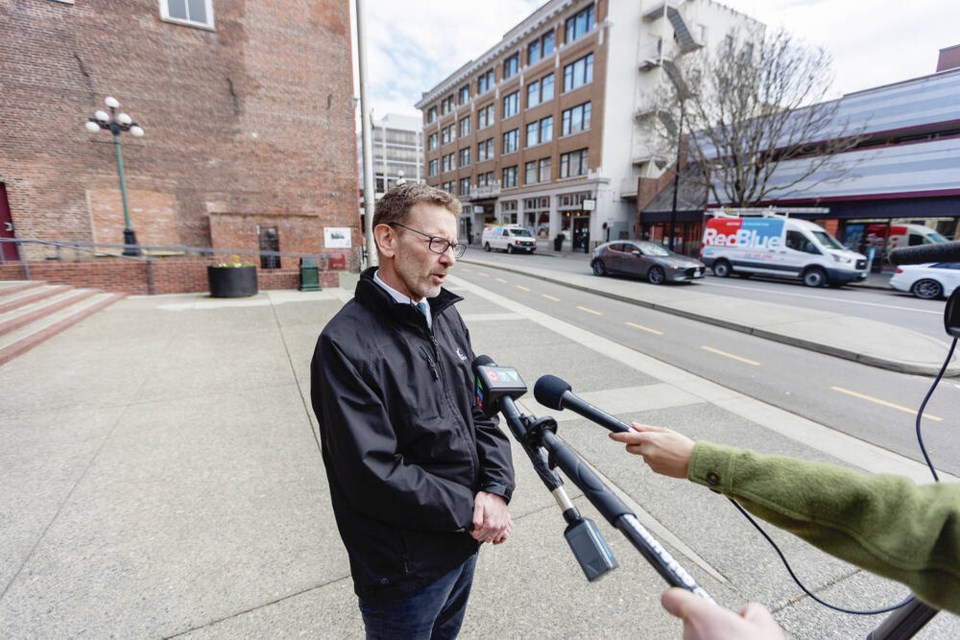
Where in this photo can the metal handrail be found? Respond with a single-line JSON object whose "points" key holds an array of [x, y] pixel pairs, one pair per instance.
{"points": [[95, 248]]}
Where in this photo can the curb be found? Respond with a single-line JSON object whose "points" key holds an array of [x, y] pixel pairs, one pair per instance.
{"points": [[846, 354]]}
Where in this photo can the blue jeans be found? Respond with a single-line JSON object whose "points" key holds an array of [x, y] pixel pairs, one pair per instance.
{"points": [[435, 612]]}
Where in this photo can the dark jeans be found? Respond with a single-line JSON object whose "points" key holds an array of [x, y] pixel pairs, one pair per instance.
{"points": [[432, 613]]}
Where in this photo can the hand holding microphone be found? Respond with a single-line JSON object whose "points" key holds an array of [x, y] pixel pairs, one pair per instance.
{"points": [[665, 451]]}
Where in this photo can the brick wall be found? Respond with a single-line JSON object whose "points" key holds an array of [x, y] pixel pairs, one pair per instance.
{"points": [[168, 275], [254, 118]]}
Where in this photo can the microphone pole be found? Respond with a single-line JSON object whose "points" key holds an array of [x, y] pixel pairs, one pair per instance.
{"points": [[618, 513]]}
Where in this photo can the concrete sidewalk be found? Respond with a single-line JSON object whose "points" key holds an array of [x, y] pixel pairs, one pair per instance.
{"points": [[162, 478], [866, 341]]}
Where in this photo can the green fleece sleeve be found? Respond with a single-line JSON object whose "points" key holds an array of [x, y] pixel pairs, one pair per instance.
{"points": [[884, 524]]}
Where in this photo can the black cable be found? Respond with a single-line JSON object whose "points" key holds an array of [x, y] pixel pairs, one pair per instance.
{"points": [[786, 564], [923, 448]]}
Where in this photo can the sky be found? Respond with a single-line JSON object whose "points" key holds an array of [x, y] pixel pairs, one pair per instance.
{"points": [[414, 44]]}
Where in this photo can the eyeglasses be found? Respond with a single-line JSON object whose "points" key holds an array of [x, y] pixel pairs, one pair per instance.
{"points": [[437, 245]]}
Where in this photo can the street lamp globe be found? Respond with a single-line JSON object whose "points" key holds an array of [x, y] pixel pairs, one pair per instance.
{"points": [[101, 115], [111, 102], [123, 118], [92, 127], [136, 131]]}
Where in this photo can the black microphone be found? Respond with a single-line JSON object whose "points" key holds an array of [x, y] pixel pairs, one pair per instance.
{"points": [[554, 393], [941, 252]]}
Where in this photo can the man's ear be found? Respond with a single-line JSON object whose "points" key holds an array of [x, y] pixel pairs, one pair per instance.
{"points": [[386, 238]]}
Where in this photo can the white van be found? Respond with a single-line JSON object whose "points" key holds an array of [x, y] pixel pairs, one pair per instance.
{"points": [[509, 238], [774, 244]]}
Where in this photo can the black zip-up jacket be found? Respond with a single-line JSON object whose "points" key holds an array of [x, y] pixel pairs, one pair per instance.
{"points": [[404, 445]]}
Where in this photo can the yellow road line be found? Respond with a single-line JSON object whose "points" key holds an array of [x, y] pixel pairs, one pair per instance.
{"points": [[643, 328], [543, 295], [596, 313], [522, 288], [884, 403], [730, 355]]}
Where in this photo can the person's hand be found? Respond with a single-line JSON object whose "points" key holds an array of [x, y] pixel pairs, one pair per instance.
{"points": [[703, 620], [491, 519], [666, 452]]}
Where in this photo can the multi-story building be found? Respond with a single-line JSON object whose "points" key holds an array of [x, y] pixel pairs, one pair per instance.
{"points": [[247, 108], [546, 130], [397, 151]]}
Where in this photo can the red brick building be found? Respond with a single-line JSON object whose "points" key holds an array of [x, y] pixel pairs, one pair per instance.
{"points": [[247, 107]]}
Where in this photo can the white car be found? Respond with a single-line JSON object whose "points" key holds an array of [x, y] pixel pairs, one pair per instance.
{"points": [[928, 281]]}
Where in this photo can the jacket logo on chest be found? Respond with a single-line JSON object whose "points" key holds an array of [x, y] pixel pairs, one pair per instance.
{"points": [[461, 354]]}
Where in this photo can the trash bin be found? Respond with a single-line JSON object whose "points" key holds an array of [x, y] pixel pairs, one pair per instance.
{"points": [[309, 275]]}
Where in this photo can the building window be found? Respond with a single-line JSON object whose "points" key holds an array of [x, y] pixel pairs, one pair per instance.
{"points": [[485, 81], [576, 119], [533, 94], [546, 88], [548, 43], [465, 157], [511, 105], [449, 162], [485, 117], [434, 167], [578, 25], [509, 177], [446, 105], [431, 114], [540, 48], [464, 94], [578, 73], [544, 166], [511, 66], [546, 129], [485, 150], [573, 163], [448, 134], [511, 141], [540, 91], [485, 179], [198, 13], [464, 186], [537, 171], [540, 131], [533, 133], [432, 141], [465, 127]]}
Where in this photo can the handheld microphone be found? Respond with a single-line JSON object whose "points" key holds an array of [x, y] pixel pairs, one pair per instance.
{"points": [[942, 252], [554, 393]]}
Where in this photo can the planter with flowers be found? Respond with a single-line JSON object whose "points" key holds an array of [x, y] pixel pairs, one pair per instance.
{"points": [[234, 279]]}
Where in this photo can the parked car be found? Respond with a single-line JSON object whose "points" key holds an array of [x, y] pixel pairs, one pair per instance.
{"points": [[928, 281], [648, 260]]}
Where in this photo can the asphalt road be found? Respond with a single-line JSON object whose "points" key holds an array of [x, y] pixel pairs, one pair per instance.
{"points": [[872, 404]]}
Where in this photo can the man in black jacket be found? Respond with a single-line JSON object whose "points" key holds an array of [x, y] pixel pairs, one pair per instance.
{"points": [[419, 479]]}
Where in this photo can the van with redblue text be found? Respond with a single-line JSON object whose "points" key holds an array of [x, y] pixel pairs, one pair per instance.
{"points": [[776, 245]]}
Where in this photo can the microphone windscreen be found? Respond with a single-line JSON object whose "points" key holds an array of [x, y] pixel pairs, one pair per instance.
{"points": [[549, 391], [942, 252], [483, 361]]}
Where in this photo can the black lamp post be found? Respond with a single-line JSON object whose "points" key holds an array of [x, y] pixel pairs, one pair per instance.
{"points": [[116, 123]]}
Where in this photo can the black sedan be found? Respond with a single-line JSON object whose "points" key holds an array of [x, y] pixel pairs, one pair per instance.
{"points": [[648, 260]]}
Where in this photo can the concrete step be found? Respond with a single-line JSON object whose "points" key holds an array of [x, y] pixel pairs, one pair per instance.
{"points": [[24, 326], [21, 296]]}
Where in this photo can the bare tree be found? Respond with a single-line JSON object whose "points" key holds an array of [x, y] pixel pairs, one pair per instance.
{"points": [[754, 104]]}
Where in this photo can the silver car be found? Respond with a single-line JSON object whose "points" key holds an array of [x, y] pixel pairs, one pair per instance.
{"points": [[648, 260]]}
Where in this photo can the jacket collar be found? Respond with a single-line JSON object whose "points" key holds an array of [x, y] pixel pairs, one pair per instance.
{"points": [[373, 296]]}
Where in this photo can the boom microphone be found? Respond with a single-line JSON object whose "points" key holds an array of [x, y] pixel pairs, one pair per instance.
{"points": [[554, 393], [942, 252]]}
